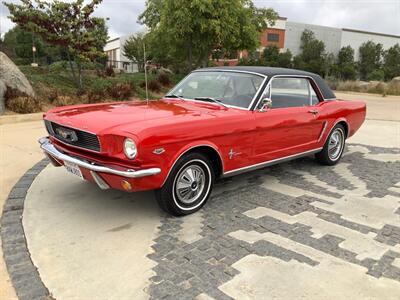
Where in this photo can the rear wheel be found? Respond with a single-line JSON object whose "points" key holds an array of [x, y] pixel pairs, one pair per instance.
{"points": [[188, 186], [333, 148]]}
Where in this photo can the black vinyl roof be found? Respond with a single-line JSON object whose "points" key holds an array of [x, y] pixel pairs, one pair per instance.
{"points": [[327, 93]]}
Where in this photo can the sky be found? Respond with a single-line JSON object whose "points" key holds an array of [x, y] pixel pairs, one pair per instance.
{"points": [[370, 15]]}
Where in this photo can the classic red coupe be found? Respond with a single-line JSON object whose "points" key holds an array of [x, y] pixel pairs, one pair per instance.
{"points": [[216, 122]]}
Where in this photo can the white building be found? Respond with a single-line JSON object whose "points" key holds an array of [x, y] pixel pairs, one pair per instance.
{"points": [[333, 38], [116, 57]]}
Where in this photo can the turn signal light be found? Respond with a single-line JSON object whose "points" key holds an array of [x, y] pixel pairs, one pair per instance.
{"points": [[126, 185]]}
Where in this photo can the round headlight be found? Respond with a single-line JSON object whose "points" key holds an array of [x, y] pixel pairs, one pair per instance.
{"points": [[130, 149]]}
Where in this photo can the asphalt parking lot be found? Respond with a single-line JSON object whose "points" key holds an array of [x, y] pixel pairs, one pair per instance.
{"points": [[296, 230]]}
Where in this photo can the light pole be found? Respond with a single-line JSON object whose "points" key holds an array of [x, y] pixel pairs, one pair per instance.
{"points": [[34, 64]]}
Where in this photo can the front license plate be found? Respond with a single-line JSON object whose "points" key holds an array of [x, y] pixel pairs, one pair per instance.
{"points": [[74, 169]]}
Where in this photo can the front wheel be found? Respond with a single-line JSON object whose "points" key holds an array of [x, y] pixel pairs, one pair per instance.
{"points": [[188, 185], [333, 148]]}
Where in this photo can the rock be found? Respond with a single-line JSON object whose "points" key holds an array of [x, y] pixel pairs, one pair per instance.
{"points": [[361, 83], [12, 77], [3, 90], [396, 79], [373, 83]]}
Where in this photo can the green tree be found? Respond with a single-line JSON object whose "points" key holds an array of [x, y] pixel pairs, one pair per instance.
{"points": [[272, 57], [18, 46], [134, 50], [391, 64], [345, 68], [285, 59], [313, 56], [370, 60], [194, 29], [69, 25]]}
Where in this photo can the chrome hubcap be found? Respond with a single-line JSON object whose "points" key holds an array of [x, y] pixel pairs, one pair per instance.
{"points": [[190, 184], [335, 144]]}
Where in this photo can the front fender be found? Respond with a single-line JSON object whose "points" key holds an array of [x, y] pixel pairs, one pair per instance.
{"points": [[188, 147]]}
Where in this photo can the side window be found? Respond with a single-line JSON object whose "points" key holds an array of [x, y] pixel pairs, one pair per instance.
{"points": [[292, 92], [314, 97]]}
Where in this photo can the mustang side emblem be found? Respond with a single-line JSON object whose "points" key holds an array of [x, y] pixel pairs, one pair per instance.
{"points": [[66, 134], [232, 154], [159, 151]]}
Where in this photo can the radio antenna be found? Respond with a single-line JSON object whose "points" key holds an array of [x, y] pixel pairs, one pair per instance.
{"points": [[145, 72]]}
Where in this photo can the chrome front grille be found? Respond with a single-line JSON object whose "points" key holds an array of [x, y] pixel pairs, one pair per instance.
{"points": [[82, 138]]}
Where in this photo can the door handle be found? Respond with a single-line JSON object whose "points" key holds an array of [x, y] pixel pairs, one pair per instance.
{"points": [[313, 111]]}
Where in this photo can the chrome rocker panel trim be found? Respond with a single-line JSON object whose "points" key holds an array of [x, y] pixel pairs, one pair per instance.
{"points": [[270, 162], [49, 149]]}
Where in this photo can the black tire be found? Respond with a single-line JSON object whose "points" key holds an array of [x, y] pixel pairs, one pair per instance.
{"points": [[167, 196], [325, 157]]}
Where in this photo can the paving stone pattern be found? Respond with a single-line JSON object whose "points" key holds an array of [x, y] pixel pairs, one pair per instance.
{"points": [[23, 273], [186, 270]]}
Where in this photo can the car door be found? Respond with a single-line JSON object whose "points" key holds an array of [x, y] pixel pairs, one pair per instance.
{"points": [[293, 124]]}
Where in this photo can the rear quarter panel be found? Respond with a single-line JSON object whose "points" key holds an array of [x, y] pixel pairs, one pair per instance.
{"points": [[335, 111]]}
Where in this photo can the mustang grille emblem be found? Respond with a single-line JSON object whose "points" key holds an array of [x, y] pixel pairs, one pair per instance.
{"points": [[66, 134]]}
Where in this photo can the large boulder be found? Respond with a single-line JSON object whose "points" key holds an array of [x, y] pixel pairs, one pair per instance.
{"points": [[396, 79], [12, 77]]}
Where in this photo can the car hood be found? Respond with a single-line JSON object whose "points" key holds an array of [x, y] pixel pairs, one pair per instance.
{"points": [[102, 118]]}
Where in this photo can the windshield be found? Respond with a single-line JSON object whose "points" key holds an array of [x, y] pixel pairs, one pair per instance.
{"points": [[229, 88]]}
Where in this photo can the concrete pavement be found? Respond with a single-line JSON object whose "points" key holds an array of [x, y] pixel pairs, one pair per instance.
{"points": [[19, 151]]}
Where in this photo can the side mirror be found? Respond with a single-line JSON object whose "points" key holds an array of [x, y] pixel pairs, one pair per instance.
{"points": [[266, 104]]}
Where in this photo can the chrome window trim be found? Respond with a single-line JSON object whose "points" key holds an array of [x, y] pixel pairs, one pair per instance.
{"points": [[319, 94], [270, 162], [256, 95]]}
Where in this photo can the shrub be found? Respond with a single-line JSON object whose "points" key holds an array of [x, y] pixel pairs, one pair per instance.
{"points": [[164, 79], [154, 86], [13, 93], [59, 66], [211, 63], [52, 95], [95, 96], [332, 82], [377, 75], [64, 100], [120, 91], [109, 71], [23, 105]]}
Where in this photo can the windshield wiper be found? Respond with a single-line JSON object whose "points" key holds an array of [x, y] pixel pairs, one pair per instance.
{"points": [[210, 99], [174, 96]]}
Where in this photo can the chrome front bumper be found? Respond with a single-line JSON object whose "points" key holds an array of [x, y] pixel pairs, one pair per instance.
{"points": [[49, 149]]}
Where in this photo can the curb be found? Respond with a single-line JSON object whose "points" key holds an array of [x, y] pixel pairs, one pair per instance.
{"points": [[7, 119], [23, 273]]}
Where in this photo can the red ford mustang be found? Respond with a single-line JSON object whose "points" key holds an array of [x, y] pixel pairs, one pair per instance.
{"points": [[216, 122]]}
